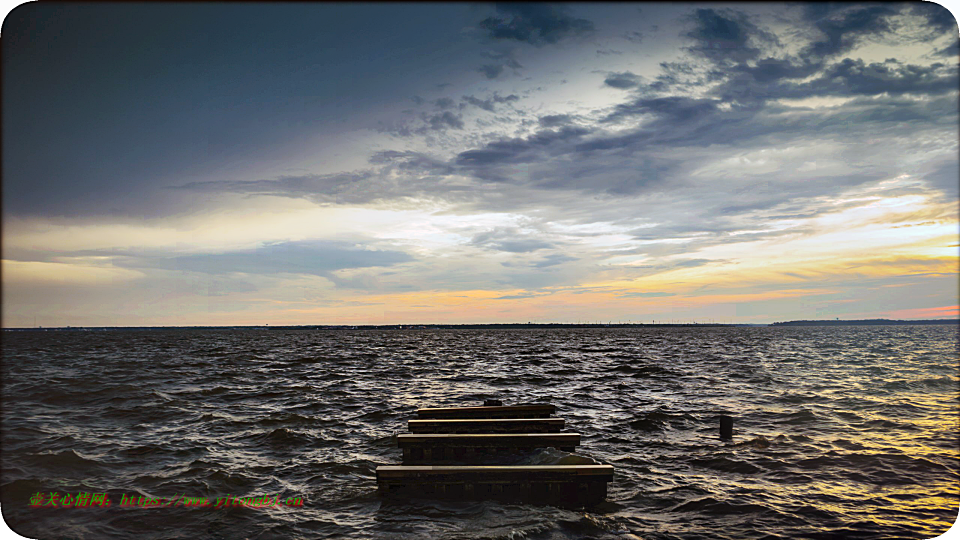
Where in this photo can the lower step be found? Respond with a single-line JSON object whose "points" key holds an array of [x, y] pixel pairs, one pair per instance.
{"points": [[561, 484], [467, 448]]}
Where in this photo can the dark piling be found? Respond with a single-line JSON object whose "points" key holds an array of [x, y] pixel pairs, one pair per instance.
{"points": [[726, 427]]}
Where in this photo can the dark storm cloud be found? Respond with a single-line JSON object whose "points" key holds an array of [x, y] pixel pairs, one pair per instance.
{"points": [[727, 38], [674, 110], [491, 71], [517, 150], [951, 50], [770, 70], [429, 123], [622, 80], [617, 176], [567, 158], [939, 19], [411, 162], [855, 77], [536, 24], [305, 257], [553, 260], [608, 52], [842, 26], [509, 239], [554, 120], [503, 60], [751, 85], [490, 103], [507, 58], [444, 120], [730, 37], [630, 161], [737, 113], [726, 35], [678, 76], [861, 117], [754, 85]]}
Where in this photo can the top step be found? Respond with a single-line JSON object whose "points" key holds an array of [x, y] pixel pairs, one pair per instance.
{"points": [[510, 411], [486, 425]]}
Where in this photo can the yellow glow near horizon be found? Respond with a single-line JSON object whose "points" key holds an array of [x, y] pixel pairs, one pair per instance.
{"points": [[868, 236], [17, 272]]}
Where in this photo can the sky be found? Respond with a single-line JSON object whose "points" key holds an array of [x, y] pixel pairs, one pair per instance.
{"points": [[254, 163]]}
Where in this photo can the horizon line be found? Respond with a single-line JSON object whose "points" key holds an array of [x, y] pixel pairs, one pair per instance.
{"points": [[511, 324]]}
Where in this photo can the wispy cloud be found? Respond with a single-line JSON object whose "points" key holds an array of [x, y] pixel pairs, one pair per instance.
{"points": [[536, 24]]}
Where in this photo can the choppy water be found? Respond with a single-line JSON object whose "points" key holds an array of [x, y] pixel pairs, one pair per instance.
{"points": [[862, 426]]}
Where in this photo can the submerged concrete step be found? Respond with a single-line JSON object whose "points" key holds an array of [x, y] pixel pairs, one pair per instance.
{"points": [[487, 425], [580, 484], [509, 411], [451, 452], [424, 448]]}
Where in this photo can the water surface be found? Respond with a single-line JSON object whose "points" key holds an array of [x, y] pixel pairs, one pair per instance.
{"points": [[841, 432]]}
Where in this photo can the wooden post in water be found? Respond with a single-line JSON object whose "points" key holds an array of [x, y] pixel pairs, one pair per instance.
{"points": [[726, 427]]}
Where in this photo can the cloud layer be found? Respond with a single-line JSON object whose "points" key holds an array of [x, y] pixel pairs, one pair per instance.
{"points": [[503, 158]]}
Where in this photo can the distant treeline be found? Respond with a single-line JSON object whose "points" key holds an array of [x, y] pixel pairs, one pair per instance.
{"points": [[866, 322], [377, 327], [494, 326]]}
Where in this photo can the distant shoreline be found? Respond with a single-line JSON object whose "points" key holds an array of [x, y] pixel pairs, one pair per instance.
{"points": [[494, 326], [866, 322]]}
